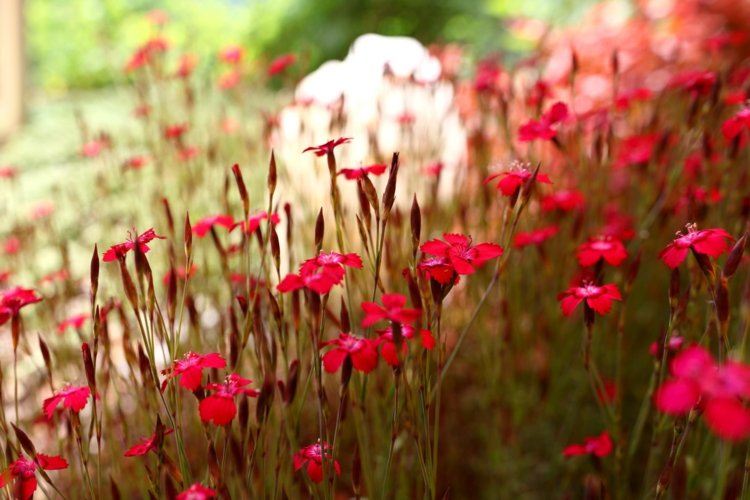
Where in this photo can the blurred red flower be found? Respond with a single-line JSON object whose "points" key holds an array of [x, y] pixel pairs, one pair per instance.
{"points": [[599, 446], [328, 147], [281, 63], [313, 456], [535, 237], [76, 321], [606, 248], [197, 492], [190, 369], [145, 445], [220, 408], [512, 180], [392, 310], [358, 173], [598, 298], [74, 398], [203, 226], [542, 128], [362, 352], [121, 249]]}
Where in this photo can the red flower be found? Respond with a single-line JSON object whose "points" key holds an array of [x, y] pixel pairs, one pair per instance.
{"points": [[320, 273], [313, 455], [636, 150], [281, 63], [8, 171], [14, 299], [638, 94], [599, 446], [253, 222], [231, 55], [388, 345], [76, 321], [135, 163], [60, 275], [190, 369], [23, 472], [711, 242], [328, 147], [73, 397], [565, 200], [719, 389], [146, 445], [188, 62], [393, 311], [697, 82], [611, 250], [201, 228], [220, 408], [181, 273], [598, 298], [230, 79], [513, 180], [542, 128], [464, 257], [358, 173], [197, 492], [118, 251], [438, 268], [362, 352], [12, 245], [732, 127], [535, 237], [175, 131]]}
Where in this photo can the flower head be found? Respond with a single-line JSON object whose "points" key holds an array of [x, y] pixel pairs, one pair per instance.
{"points": [[359, 172], [598, 298], [389, 350], [145, 445], [219, 407], [76, 321], [121, 249], [14, 299], [512, 180], [697, 380], [542, 128], [535, 237], [281, 63], [733, 126], [599, 446], [711, 242], [392, 310], [320, 273], [362, 352], [463, 256], [313, 456], [253, 222], [197, 492], [610, 250], [190, 368], [328, 147], [72, 397], [23, 473], [438, 269], [203, 226]]}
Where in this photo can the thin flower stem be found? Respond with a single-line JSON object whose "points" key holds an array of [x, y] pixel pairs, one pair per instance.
{"points": [[394, 427]]}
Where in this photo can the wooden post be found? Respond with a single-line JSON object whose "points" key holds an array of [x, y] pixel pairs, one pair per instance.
{"points": [[11, 66]]}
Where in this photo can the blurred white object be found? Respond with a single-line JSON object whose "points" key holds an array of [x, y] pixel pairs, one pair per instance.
{"points": [[388, 96]]}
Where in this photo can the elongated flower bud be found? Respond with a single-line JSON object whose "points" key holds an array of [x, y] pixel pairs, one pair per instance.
{"points": [[88, 365], [242, 189], [271, 175], [94, 274], [734, 258], [415, 219], [25, 441]]}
